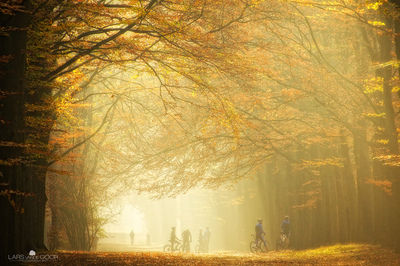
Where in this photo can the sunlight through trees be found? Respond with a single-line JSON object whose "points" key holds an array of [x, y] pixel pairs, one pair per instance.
{"points": [[101, 99]]}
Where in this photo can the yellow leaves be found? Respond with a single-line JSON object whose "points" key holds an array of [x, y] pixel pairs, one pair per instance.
{"points": [[349, 254], [383, 141], [223, 118], [376, 23], [393, 63], [373, 85], [257, 2], [373, 115], [390, 160], [374, 5]]}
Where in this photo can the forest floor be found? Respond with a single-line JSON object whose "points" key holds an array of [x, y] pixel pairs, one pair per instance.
{"points": [[351, 254]]}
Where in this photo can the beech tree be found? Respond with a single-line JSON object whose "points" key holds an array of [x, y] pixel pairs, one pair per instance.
{"points": [[77, 43], [319, 113], [209, 93]]}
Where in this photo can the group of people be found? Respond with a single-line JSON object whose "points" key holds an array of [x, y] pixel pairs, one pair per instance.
{"points": [[285, 227], [204, 239]]}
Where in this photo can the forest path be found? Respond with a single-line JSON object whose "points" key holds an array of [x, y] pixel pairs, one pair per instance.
{"points": [[351, 254]]}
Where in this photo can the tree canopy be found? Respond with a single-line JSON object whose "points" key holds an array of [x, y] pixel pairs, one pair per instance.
{"points": [[100, 97]]}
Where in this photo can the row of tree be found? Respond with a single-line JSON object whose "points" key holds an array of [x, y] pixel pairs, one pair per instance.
{"points": [[100, 97]]}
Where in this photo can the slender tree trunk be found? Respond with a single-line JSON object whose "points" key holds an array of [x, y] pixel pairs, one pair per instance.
{"points": [[365, 191], [349, 195]]}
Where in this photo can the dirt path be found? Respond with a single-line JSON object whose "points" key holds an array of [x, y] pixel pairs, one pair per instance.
{"points": [[353, 254]]}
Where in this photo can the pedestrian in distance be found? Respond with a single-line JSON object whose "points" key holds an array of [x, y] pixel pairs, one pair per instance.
{"points": [[206, 239], [148, 239], [132, 235]]}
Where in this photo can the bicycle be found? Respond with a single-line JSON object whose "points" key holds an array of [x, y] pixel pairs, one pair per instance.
{"points": [[257, 245], [282, 242], [186, 246], [177, 247]]}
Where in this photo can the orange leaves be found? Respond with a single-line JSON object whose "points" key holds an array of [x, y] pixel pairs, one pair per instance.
{"points": [[215, 85], [320, 163], [14, 161], [351, 254], [386, 185], [11, 7], [11, 196], [292, 94]]}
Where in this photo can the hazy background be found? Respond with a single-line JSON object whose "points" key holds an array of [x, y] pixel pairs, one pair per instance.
{"points": [[219, 210]]}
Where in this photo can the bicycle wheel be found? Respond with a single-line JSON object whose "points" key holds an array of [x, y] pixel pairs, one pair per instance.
{"points": [[261, 247], [185, 248], [196, 249], [268, 245], [167, 248], [279, 244], [179, 247], [253, 247], [286, 243]]}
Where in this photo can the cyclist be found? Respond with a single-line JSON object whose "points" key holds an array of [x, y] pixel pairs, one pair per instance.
{"points": [[285, 226], [186, 238], [201, 240], [173, 238], [260, 233]]}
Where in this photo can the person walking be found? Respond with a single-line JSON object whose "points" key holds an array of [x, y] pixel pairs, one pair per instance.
{"points": [[206, 239], [132, 235], [148, 239]]}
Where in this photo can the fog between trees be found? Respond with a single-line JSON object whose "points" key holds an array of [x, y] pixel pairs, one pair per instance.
{"points": [[103, 99]]}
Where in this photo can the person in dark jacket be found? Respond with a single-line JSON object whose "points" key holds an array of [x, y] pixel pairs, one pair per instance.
{"points": [[186, 238], [260, 233]]}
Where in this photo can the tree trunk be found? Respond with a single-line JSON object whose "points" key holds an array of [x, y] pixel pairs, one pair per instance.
{"points": [[14, 230], [349, 220], [365, 192], [390, 208], [22, 183]]}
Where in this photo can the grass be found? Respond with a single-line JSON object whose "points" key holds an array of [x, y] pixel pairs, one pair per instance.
{"points": [[350, 254]]}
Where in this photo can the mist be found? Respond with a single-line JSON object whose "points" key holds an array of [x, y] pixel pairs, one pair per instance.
{"points": [[122, 117], [231, 220]]}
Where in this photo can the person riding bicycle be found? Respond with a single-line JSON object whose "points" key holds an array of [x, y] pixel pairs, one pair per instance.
{"points": [[285, 226], [260, 233], [186, 238], [173, 238], [201, 240]]}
